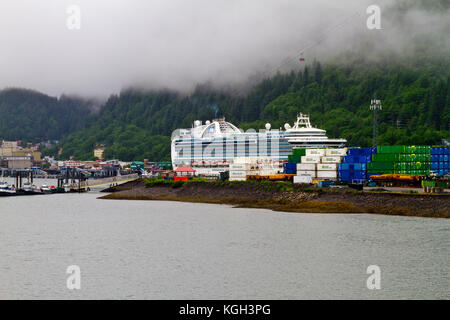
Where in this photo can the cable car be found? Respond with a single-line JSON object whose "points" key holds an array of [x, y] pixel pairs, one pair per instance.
{"points": [[301, 58]]}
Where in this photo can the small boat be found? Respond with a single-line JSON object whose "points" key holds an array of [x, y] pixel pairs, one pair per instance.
{"points": [[66, 187], [36, 189], [46, 189], [6, 189], [27, 188]]}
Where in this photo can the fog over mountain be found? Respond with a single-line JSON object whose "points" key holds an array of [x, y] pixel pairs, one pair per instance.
{"points": [[177, 44]]}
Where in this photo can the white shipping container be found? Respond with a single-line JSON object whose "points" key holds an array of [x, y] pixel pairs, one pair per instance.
{"points": [[307, 172], [302, 179], [238, 174], [329, 159], [327, 174], [310, 159], [315, 152], [267, 172], [239, 166], [326, 166], [236, 179], [240, 160], [336, 152], [306, 166]]}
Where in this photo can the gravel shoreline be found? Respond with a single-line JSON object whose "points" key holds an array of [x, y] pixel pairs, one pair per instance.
{"points": [[293, 198]]}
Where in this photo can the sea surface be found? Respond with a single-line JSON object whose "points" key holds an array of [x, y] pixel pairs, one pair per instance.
{"points": [[173, 250]]}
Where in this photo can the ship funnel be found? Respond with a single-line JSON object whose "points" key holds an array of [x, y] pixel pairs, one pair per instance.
{"points": [[287, 126]]}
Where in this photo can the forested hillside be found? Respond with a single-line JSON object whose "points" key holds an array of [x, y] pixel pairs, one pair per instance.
{"points": [[137, 125], [32, 116]]}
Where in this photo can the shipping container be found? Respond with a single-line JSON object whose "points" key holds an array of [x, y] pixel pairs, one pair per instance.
{"points": [[352, 166], [327, 174], [239, 166], [237, 178], [336, 152], [289, 165], [307, 172], [310, 159], [315, 152], [377, 166], [299, 152], [238, 174], [303, 179], [294, 158], [347, 175], [306, 166], [326, 166], [330, 159]]}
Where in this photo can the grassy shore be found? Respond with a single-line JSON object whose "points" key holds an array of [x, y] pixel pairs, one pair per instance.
{"points": [[285, 196]]}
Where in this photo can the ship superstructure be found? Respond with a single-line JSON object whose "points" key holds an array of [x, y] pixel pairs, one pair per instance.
{"points": [[304, 135], [217, 143]]}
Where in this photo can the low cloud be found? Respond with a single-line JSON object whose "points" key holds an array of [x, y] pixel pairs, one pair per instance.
{"points": [[176, 43]]}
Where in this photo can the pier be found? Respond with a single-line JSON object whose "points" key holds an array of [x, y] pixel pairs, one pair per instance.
{"points": [[68, 180], [84, 185]]}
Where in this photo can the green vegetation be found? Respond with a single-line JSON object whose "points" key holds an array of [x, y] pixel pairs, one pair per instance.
{"points": [[136, 125], [34, 117], [159, 182]]}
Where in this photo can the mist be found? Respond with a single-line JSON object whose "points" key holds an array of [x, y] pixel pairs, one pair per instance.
{"points": [[177, 44]]}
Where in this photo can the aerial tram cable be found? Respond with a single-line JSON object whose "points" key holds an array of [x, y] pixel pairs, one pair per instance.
{"points": [[299, 55]]}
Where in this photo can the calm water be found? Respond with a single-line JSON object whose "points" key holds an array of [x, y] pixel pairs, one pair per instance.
{"points": [[170, 250]]}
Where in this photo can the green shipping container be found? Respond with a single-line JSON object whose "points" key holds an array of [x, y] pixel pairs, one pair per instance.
{"points": [[391, 157], [418, 149], [294, 158], [382, 165], [299, 152], [404, 149]]}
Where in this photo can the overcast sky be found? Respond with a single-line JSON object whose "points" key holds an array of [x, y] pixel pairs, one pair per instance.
{"points": [[175, 43]]}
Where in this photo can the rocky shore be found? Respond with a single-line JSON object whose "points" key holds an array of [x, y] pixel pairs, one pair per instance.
{"points": [[285, 196]]}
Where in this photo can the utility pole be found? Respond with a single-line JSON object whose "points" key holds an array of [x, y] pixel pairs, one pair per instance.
{"points": [[375, 105]]}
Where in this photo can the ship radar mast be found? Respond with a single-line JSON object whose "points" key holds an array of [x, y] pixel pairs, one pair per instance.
{"points": [[302, 121]]}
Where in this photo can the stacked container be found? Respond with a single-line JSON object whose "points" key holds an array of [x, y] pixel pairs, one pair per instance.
{"points": [[244, 166], [296, 155], [291, 166], [354, 164], [410, 160], [320, 164], [440, 160], [327, 171], [239, 169]]}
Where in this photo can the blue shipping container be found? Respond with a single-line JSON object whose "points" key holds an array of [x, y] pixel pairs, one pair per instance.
{"points": [[348, 175], [290, 165], [361, 151]]}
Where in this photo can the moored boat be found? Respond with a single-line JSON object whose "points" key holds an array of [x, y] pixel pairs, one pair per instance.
{"points": [[46, 189], [6, 190]]}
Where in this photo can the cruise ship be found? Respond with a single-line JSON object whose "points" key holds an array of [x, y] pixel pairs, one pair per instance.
{"points": [[304, 135], [215, 144], [218, 142]]}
